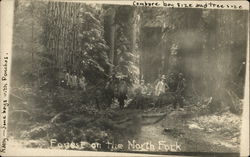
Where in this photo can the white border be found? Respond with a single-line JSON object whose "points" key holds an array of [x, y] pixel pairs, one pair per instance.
{"points": [[6, 49], [7, 7]]}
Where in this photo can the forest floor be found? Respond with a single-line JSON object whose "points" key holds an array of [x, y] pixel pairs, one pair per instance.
{"points": [[163, 127], [193, 134]]}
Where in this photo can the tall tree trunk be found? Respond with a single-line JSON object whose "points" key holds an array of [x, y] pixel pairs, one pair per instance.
{"points": [[32, 33], [112, 47], [111, 37], [136, 27]]}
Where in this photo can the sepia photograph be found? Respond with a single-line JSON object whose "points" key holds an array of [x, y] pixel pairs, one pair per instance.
{"points": [[124, 78]]}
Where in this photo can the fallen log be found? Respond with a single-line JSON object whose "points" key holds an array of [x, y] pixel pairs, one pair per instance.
{"points": [[153, 115]]}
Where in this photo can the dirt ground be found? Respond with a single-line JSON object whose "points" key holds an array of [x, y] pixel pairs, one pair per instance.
{"points": [[174, 127], [176, 131]]}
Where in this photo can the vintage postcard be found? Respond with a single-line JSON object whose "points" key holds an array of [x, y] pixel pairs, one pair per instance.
{"points": [[121, 78]]}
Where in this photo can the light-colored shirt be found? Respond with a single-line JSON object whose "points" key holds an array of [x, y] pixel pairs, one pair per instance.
{"points": [[160, 88], [67, 78], [74, 81], [82, 83]]}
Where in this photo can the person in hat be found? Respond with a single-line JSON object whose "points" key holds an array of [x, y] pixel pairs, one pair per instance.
{"points": [[180, 90], [160, 87], [75, 81], [67, 78], [82, 83]]}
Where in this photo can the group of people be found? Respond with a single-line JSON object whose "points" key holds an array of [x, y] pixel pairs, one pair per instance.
{"points": [[165, 84], [73, 81]]}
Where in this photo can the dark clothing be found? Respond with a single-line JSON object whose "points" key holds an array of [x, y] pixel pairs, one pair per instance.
{"points": [[180, 92], [109, 93], [121, 100], [172, 83], [122, 93]]}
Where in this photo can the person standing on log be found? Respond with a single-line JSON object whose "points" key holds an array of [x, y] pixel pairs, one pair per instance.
{"points": [[160, 86], [82, 83], [67, 78], [180, 90], [74, 81]]}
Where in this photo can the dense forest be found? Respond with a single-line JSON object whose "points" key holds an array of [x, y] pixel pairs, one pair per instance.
{"points": [[91, 72]]}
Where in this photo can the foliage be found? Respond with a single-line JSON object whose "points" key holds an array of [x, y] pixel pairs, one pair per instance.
{"points": [[125, 59], [26, 41], [75, 42], [94, 62], [226, 123]]}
